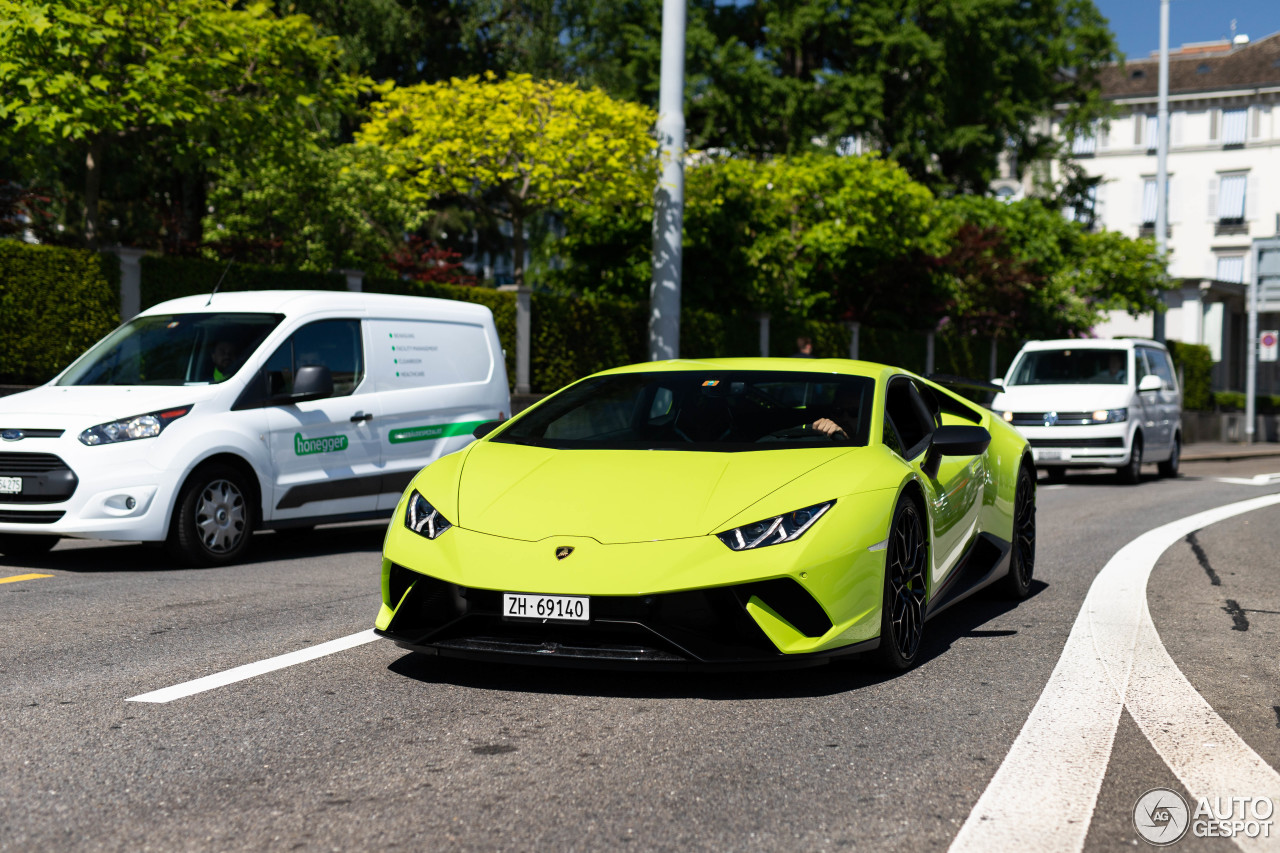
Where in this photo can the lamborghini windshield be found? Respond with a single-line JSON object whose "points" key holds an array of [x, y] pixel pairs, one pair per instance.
{"points": [[173, 349], [690, 410]]}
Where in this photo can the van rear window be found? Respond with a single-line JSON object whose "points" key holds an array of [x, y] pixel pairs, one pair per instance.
{"points": [[173, 349]]}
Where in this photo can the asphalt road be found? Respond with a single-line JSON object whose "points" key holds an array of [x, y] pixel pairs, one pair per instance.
{"points": [[371, 748]]}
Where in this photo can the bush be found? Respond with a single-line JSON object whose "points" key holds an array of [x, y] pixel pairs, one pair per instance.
{"points": [[54, 303], [1194, 363], [167, 277], [572, 338], [1233, 401]]}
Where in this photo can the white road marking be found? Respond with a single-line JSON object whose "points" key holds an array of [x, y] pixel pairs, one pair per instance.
{"points": [[1258, 480], [1043, 795], [249, 670]]}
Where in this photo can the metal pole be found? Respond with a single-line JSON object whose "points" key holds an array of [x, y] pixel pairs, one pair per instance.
{"points": [[1162, 165], [1251, 354], [668, 202]]}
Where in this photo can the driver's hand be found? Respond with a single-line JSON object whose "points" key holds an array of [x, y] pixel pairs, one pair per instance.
{"points": [[826, 426]]}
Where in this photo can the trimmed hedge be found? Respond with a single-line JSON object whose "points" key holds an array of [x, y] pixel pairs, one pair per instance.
{"points": [[1194, 363], [165, 277], [54, 303]]}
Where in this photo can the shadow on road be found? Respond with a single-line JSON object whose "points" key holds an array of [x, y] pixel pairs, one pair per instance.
{"points": [[853, 673], [84, 556]]}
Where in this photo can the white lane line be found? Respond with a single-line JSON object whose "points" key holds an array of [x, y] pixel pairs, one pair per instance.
{"points": [[1043, 795], [1256, 480], [250, 670]]}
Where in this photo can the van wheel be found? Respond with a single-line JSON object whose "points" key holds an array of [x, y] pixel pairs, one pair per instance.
{"points": [[212, 519], [23, 545], [1169, 468], [1131, 471]]}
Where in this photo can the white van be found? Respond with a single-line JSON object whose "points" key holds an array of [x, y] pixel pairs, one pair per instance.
{"points": [[205, 418], [1095, 403]]}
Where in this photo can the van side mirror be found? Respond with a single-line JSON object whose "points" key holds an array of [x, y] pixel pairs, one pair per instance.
{"points": [[311, 382], [1151, 382], [486, 428], [954, 440], [998, 381]]}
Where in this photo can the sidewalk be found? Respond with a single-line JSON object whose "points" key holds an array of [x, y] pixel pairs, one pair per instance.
{"points": [[1223, 451]]}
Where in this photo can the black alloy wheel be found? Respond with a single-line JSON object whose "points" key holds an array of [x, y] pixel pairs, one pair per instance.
{"points": [[1169, 467], [20, 545], [213, 518], [1131, 471], [905, 589], [1022, 556]]}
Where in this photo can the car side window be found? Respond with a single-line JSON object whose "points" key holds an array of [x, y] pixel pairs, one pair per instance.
{"points": [[1140, 367], [1160, 366], [335, 344], [910, 416]]}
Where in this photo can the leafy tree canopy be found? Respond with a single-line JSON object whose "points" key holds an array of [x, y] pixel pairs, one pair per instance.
{"points": [[514, 146]]}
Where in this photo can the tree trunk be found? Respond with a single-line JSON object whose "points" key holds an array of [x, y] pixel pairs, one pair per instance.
{"points": [[92, 191], [517, 246]]}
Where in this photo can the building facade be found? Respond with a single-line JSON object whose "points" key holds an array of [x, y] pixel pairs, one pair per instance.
{"points": [[1223, 189]]}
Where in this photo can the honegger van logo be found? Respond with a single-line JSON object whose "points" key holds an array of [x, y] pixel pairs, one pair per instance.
{"points": [[426, 433], [323, 444]]}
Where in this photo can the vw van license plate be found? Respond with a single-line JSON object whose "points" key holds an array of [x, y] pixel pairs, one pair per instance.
{"points": [[10, 485], [1048, 454], [521, 606]]}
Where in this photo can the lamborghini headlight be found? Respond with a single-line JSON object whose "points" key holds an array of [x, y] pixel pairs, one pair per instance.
{"points": [[424, 519], [774, 531]]}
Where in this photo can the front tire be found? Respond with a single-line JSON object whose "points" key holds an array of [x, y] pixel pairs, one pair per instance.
{"points": [[213, 517], [1022, 556], [21, 545], [1131, 472], [1169, 467], [905, 590]]}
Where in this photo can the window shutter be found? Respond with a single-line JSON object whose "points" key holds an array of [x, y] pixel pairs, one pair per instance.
{"points": [[1139, 122], [1251, 199], [1213, 125], [1234, 124], [1152, 132], [1255, 122], [1213, 199], [1148, 201]]}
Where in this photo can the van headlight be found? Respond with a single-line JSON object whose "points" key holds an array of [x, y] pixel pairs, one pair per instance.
{"points": [[128, 429], [1110, 416], [424, 519], [787, 527]]}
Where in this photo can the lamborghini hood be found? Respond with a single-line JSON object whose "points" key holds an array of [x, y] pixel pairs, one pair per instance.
{"points": [[616, 496]]}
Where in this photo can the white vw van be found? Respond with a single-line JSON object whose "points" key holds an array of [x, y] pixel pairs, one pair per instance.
{"points": [[1094, 403], [205, 418]]}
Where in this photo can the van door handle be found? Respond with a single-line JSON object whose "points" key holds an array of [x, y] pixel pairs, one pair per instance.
{"points": [[361, 416]]}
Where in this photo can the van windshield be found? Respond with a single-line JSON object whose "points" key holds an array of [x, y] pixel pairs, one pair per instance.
{"points": [[1072, 367], [173, 349]]}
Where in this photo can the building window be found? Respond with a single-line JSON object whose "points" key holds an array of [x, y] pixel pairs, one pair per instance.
{"points": [[1149, 203], [1089, 212], [1231, 268], [1144, 131], [1234, 126], [1084, 145], [1229, 214]]}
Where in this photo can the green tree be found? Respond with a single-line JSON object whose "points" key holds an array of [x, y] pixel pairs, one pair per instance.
{"points": [[514, 147], [196, 79]]}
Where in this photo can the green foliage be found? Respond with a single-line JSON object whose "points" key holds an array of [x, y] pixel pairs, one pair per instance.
{"points": [[1194, 364], [1233, 401], [167, 277], [314, 208], [515, 146], [54, 303], [572, 338]]}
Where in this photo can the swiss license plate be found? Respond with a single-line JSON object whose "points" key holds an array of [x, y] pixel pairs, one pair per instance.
{"points": [[572, 608], [1050, 454], [10, 485]]}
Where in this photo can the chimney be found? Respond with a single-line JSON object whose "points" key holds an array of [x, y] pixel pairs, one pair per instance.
{"points": [[1240, 40]]}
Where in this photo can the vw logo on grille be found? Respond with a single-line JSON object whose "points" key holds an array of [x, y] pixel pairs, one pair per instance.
{"points": [[1050, 418], [11, 435]]}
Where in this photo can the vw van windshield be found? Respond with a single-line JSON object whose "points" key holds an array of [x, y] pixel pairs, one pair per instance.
{"points": [[173, 349], [1072, 367]]}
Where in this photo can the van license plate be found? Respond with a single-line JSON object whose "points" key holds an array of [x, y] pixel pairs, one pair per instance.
{"points": [[10, 485], [564, 607], [1049, 454]]}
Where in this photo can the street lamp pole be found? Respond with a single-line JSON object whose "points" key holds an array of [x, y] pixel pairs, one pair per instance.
{"points": [[668, 201], [1162, 165]]}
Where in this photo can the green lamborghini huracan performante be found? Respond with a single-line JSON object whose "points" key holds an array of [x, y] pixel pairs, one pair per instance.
{"points": [[722, 513]]}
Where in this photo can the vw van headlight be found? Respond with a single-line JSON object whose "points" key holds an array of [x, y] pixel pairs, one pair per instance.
{"points": [[1110, 416], [787, 527], [128, 429], [424, 519]]}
